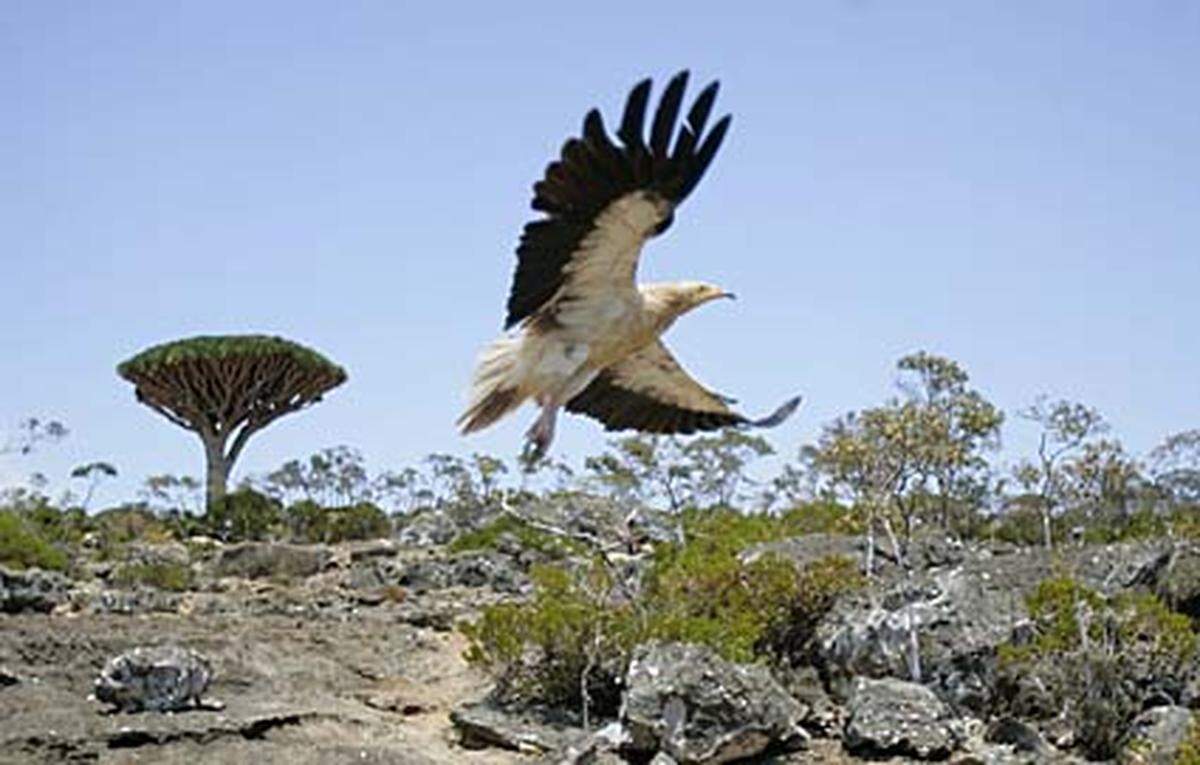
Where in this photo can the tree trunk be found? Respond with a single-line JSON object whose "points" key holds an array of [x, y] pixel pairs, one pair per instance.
{"points": [[217, 471]]}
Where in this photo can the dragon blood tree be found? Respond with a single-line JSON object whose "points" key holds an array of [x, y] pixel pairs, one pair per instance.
{"points": [[227, 388]]}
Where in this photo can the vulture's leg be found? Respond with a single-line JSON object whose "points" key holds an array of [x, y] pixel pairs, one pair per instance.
{"points": [[542, 432]]}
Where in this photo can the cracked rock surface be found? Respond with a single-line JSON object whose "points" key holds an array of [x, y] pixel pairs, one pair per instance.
{"points": [[894, 717], [686, 702], [302, 672]]}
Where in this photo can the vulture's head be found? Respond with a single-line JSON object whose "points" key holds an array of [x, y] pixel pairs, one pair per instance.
{"points": [[670, 301]]}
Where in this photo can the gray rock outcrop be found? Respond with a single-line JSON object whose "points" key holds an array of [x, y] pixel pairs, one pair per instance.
{"points": [[890, 717], [255, 560], [472, 569], [527, 730], [159, 679], [426, 529], [31, 590], [1156, 735], [962, 613], [687, 702]]}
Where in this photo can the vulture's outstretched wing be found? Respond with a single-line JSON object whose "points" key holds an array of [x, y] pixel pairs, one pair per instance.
{"points": [[649, 391], [604, 199]]}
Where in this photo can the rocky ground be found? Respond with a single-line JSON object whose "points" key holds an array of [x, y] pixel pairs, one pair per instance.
{"points": [[307, 670], [349, 654]]}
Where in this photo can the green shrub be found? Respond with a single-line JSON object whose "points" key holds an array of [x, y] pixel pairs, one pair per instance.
{"points": [[1134, 527], [245, 515], [819, 586], [571, 635], [63, 527], [1019, 526], [175, 577], [1023, 526], [1185, 522], [361, 521], [1093, 659], [488, 537], [313, 523], [820, 518], [121, 525], [22, 546], [705, 596], [581, 624]]}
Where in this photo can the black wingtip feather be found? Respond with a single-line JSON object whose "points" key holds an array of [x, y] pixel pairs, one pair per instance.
{"points": [[698, 114], [779, 415], [634, 118], [705, 154], [666, 115]]}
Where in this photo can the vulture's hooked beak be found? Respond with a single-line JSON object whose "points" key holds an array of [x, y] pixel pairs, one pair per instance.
{"points": [[729, 295]]}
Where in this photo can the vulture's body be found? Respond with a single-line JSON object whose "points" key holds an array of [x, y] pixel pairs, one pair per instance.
{"points": [[588, 335]]}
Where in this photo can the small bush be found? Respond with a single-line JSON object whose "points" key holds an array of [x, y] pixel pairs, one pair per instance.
{"points": [[121, 525], [313, 523], [488, 537], [581, 625], [22, 546], [243, 516], [736, 531], [702, 596], [1096, 660], [61, 527], [819, 586], [1020, 526], [175, 577], [820, 518], [572, 636]]}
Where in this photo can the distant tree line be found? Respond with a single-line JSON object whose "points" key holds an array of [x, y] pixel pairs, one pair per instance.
{"points": [[926, 459]]}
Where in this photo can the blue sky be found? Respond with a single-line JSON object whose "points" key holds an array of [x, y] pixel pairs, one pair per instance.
{"points": [[1011, 184]]}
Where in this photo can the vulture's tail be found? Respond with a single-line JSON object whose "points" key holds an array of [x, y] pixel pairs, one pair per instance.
{"points": [[495, 389]]}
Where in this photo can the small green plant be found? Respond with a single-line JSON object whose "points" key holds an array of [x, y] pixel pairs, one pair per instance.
{"points": [[577, 632], [488, 537], [21, 546], [121, 525], [703, 595], [1093, 659], [244, 515], [313, 523], [572, 639], [58, 526], [819, 586], [175, 577]]}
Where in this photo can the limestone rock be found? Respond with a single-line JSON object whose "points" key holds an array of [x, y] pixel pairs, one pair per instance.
{"points": [[255, 560], [159, 679], [962, 613], [1156, 735], [427, 529], [892, 717], [527, 730], [32, 590], [689, 703], [472, 569]]}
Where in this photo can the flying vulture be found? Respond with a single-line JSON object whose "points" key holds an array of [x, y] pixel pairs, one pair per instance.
{"points": [[588, 336]]}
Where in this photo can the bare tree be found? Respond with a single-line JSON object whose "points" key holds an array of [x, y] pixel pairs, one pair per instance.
{"points": [[1175, 468], [1065, 427], [92, 474], [30, 432]]}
